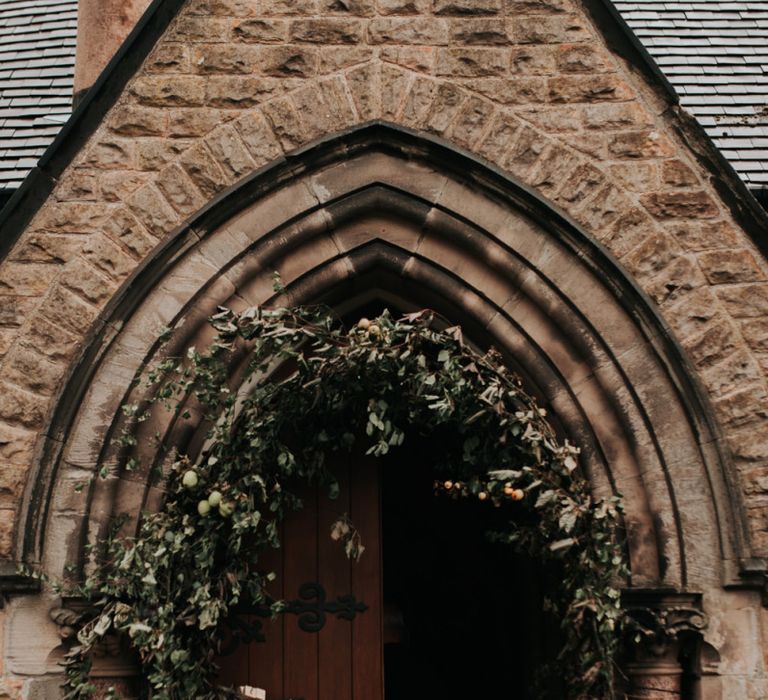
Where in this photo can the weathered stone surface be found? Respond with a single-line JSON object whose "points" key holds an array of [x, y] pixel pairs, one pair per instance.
{"points": [[408, 30], [287, 61], [169, 91], [403, 7], [108, 257], [155, 154], [356, 8], [418, 58], [672, 205], [51, 339], [82, 186], [730, 266], [418, 101], [703, 235], [444, 108], [95, 287], [755, 332], [604, 208], [345, 57], [532, 60], [71, 217], [525, 151], [191, 29], [233, 8], [285, 123], [394, 88], [230, 152], [467, 7], [551, 118], [537, 7], [677, 278], [117, 185], [169, 58], [179, 190], [471, 122], [194, 122], [15, 309], [26, 279], [262, 30], [559, 29], [48, 248], [239, 91], [745, 301], [33, 371], [125, 229], [472, 62], [735, 371], [588, 88], [480, 31], [16, 445], [21, 408], [226, 59], [110, 153], [366, 88], [627, 232], [153, 211], [327, 31], [577, 58], [517, 90], [716, 342], [615, 116], [637, 176], [583, 183], [258, 138], [498, 137], [675, 173], [554, 169], [640, 144], [748, 405]]}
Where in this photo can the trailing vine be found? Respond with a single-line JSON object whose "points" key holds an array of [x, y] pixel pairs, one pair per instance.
{"points": [[311, 388]]}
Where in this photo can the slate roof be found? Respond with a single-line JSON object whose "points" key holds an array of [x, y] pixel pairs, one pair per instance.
{"points": [[37, 58], [715, 54]]}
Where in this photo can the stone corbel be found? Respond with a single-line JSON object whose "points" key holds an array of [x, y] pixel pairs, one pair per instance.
{"points": [[659, 625]]}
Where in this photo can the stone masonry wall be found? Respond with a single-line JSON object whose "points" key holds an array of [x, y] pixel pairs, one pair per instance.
{"points": [[526, 84]]}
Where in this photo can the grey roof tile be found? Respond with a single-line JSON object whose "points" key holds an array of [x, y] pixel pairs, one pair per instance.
{"points": [[37, 58], [716, 56]]}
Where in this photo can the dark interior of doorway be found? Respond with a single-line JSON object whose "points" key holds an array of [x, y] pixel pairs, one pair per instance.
{"points": [[463, 616]]}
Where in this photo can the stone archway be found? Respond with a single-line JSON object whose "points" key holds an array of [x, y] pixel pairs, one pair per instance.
{"points": [[380, 212]]}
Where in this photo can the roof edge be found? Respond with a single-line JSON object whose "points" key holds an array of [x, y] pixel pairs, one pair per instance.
{"points": [[731, 189], [85, 119]]}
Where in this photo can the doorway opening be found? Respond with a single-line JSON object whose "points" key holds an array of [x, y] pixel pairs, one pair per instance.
{"points": [[463, 616]]}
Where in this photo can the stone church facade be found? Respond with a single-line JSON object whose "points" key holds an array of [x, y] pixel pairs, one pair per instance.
{"points": [[520, 166]]}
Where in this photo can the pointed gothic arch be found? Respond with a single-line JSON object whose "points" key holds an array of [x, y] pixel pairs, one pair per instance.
{"points": [[381, 212]]}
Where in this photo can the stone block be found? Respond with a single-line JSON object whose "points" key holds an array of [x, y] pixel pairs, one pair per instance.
{"points": [[153, 154], [610, 116], [14, 310], [704, 235], [20, 408], [603, 209], [409, 30], [745, 406], [50, 339], [537, 7], [636, 176], [169, 57], [116, 153], [27, 279], [730, 266], [689, 313], [32, 371], [525, 151], [628, 231], [47, 248], [16, 445], [230, 152], [226, 59], [344, 57], [472, 62], [479, 31], [583, 183], [467, 7], [640, 144], [651, 256], [588, 88], [364, 85], [179, 190], [557, 29], [78, 185], [745, 300], [680, 205], [331, 30], [533, 60], [124, 228], [261, 30], [576, 58], [395, 85], [291, 7], [750, 444], [444, 108], [287, 61], [553, 169], [169, 91], [735, 371], [153, 211], [677, 278], [258, 138], [234, 8], [81, 278], [515, 90], [403, 7], [422, 59], [755, 332], [108, 257], [716, 342], [418, 100], [192, 29], [471, 122], [675, 173], [550, 118], [285, 123], [117, 185], [7, 526], [187, 123], [356, 8], [324, 108], [499, 137], [239, 91], [70, 217]]}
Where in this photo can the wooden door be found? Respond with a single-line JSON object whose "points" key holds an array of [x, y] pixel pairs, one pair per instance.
{"points": [[343, 660]]}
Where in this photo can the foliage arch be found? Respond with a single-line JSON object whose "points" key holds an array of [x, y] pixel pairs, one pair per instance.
{"points": [[170, 587]]}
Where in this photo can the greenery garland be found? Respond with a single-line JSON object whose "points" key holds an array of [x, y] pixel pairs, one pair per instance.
{"points": [[170, 588]]}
